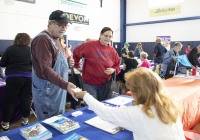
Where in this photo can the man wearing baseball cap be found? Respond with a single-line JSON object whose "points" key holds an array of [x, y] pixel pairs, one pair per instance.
{"points": [[50, 68], [124, 52]]}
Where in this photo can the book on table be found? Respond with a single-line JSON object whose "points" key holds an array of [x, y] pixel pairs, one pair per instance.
{"points": [[62, 123], [103, 125], [4, 138], [75, 136], [35, 132]]}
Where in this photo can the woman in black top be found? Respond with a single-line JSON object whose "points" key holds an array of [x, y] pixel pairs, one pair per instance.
{"points": [[17, 60], [194, 55], [130, 62]]}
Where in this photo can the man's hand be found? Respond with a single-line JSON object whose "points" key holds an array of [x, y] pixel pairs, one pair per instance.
{"points": [[80, 94], [109, 71], [70, 88]]}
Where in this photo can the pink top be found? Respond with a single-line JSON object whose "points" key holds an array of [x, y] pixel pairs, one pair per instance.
{"points": [[146, 64], [187, 51]]}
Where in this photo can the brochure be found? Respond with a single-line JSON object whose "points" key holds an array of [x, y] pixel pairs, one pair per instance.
{"points": [[36, 132], [62, 123]]}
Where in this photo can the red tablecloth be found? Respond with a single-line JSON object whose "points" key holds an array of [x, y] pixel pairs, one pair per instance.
{"points": [[187, 92]]}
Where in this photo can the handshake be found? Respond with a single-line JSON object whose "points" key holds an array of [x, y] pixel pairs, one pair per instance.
{"points": [[79, 93]]}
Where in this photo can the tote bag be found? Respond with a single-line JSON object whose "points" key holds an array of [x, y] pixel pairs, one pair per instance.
{"points": [[111, 88], [170, 72]]}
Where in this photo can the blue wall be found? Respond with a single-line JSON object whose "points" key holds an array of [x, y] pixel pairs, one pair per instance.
{"points": [[147, 46], [4, 44]]}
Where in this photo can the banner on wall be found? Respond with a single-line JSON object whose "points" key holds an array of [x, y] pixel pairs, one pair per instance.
{"points": [[165, 41], [77, 10], [164, 11], [74, 4], [76, 18]]}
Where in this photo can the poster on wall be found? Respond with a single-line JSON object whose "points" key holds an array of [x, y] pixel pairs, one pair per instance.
{"points": [[165, 41]]}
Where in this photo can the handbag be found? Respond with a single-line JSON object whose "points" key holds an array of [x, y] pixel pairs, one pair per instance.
{"points": [[170, 72], [111, 88]]}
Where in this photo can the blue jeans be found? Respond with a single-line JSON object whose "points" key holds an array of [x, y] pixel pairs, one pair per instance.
{"points": [[95, 91]]}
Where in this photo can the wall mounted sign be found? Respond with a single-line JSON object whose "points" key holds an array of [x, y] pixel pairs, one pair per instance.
{"points": [[164, 11], [76, 18]]}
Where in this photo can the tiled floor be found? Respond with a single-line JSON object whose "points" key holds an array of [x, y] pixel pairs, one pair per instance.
{"points": [[32, 118]]}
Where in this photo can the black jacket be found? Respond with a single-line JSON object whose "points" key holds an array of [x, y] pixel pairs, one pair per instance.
{"points": [[17, 59], [193, 57]]}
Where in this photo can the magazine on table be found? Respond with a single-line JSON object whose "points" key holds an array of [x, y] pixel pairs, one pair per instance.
{"points": [[36, 132], [103, 125], [4, 138], [75, 136], [62, 123]]}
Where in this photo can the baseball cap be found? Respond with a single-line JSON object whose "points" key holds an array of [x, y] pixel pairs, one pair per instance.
{"points": [[126, 44], [59, 16]]}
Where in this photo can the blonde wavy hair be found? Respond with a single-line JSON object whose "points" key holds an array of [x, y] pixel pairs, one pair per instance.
{"points": [[147, 89]]}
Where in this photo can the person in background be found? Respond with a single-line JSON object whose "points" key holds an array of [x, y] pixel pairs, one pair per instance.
{"points": [[129, 64], [124, 52], [100, 55], [88, 39], [144, 60], [68, 51], [188, 49], [194, 55], [138, 50], [50, 68], [158, 52], [17, 60], [170, 58], [67, 48], [152, 108]]}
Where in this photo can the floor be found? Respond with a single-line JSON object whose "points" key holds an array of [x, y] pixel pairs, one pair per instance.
{"points": [[32, 118]]}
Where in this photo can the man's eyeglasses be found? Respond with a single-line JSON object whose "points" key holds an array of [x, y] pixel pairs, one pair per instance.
{"points": [[60, 24], [107, 36]]}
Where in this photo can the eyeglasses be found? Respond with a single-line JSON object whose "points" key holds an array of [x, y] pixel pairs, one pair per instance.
{"points": [[60, 24], [107, 36]]}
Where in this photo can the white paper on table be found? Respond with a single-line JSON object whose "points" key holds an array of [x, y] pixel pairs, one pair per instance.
{"points": [[119, 100], [103, 125], [2, 83]]}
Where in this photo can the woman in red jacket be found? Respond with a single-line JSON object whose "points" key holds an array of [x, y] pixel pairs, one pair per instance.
{"points": [[101, 61]]}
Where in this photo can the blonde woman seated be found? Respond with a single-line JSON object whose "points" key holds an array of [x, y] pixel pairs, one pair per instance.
{"points": [[154, 115], [144, 60]]}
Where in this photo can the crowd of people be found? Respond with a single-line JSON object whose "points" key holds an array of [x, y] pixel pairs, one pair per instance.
{"points": [[38, 70]]}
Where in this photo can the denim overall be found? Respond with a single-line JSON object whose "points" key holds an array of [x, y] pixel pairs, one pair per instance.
{"points": [[49, 99]]}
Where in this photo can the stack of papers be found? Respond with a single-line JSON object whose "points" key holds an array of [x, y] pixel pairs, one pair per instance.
{"points": [[103, 125]]}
